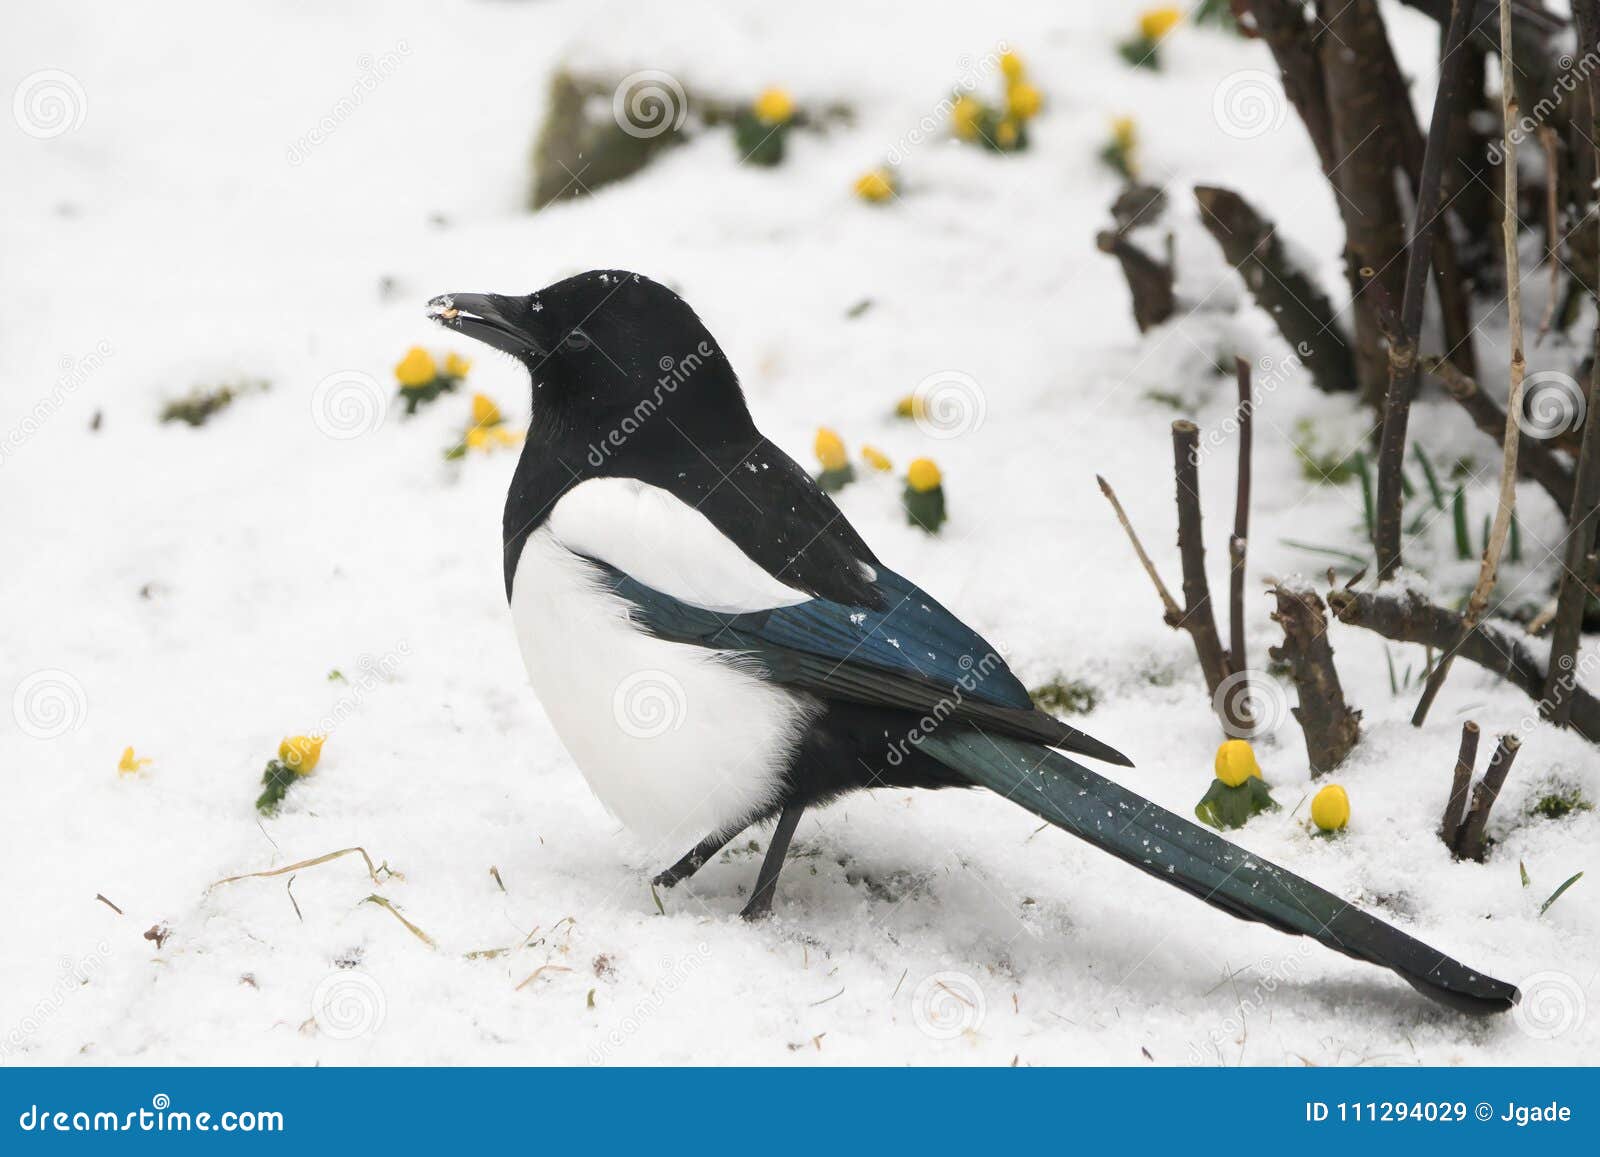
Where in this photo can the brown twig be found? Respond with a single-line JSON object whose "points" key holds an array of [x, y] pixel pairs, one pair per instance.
{"points": [[1331, 727], [1402, 356], [102, 898], [1407, 617], [1238, 544], [1460, 781], [1171, 612], [1578, 564], [1478, 601], [1537, 460], [1295, 303], [1149, 280], [1198, 618], [1552, 238], [1472, 843]]}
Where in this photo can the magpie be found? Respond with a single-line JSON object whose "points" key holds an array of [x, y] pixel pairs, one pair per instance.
{"points": [[658, 548]]}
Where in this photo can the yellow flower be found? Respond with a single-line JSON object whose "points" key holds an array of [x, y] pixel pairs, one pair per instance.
{"points": [[484, 411], [1005, 134], [1023, 101], [909, 406], [1236, 762], [876, 185], [300, 753], [774, 106], [1124, 132], [830, 450], [1330, 809], [876, 458], [457, 366], [1011, 67], [1154, 23], [964, 117], [417, 368], [488, 438], [923, 476], [130, 763]]}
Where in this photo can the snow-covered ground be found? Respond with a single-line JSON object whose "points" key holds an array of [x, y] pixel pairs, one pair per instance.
{"points": [[188, 592]]}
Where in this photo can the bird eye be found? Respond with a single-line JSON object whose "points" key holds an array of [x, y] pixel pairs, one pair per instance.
{"points": [[577, 340]]}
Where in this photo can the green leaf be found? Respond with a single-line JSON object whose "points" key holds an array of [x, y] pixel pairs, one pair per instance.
{"points": [[1556, 895], [1459, 513], [1523, 868], [1434, 488], [1225, 807]]}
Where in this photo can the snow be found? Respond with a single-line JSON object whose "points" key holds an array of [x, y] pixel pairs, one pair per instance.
{"points": [[224, 211]]}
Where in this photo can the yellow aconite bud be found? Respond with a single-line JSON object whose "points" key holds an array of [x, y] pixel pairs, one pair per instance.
{"points": [[1023, 101], [923, 476], [1236, 762], [830, 450], [417, 368], [1124, 132], [774, 106], [1011, 66], [909, 406], [130, 763], [876, 185], [964, 117], [1005, 134], [1330, 808], [300, 753], [457, 366], [484, 411], [1154, 23], [876, 458]]}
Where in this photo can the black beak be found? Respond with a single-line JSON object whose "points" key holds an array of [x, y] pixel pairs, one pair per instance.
{"points": [[483, 316]]}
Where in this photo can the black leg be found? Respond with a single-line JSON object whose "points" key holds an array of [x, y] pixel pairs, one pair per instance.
{"points": [[760, 905], [694, 861]]}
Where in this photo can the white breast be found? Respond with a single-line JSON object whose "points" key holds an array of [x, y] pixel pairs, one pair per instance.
{"points": [[677, 741]]}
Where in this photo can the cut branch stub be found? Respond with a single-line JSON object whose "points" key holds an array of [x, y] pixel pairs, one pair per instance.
{"points": [[1198, 616], [1149, 281], [1331, 727], [1460, 782], [1302, 312], [1473, 841]]}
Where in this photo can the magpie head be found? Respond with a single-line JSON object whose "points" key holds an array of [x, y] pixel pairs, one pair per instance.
{"points": [[601, 344]]}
